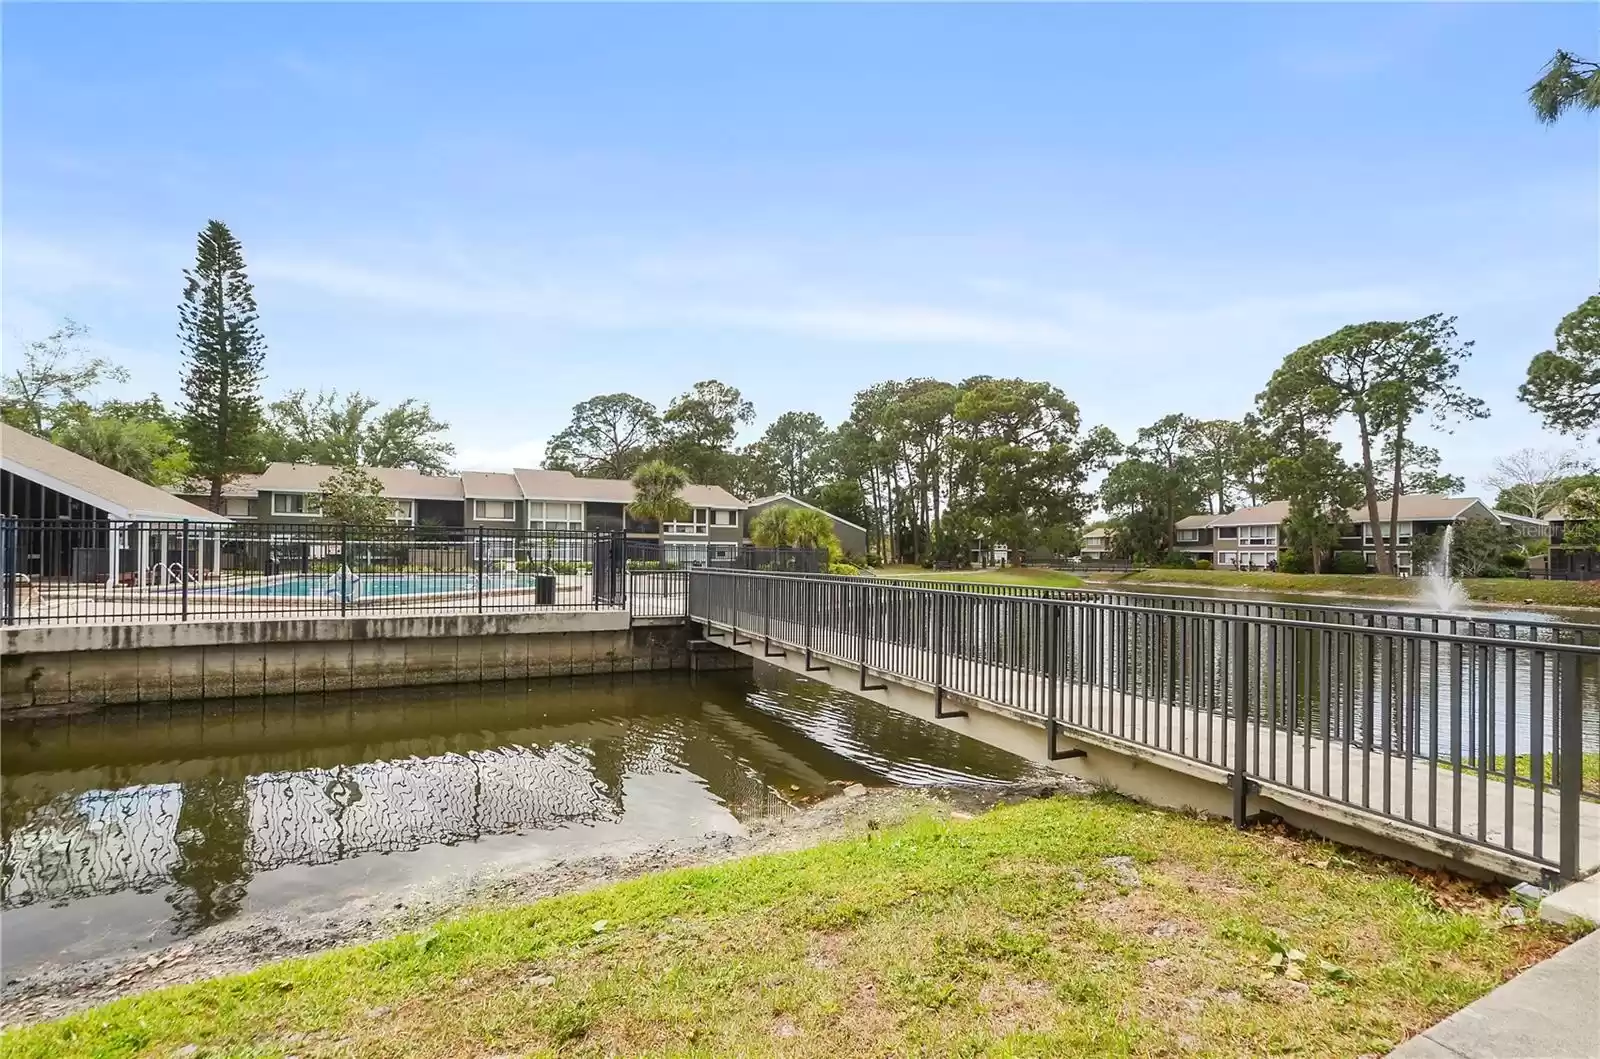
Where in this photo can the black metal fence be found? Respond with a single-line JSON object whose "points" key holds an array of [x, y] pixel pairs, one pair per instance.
{"points": [[1481, 739], [60, 572], [658, 593], [723, 555]]}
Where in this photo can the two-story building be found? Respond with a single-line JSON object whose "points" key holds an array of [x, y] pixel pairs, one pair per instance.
{"points": [[521, 499], [1252, 538], [852, 538], [1566, 562]]}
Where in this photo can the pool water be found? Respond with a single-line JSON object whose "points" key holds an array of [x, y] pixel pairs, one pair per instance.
{"points": [[305, 586]]}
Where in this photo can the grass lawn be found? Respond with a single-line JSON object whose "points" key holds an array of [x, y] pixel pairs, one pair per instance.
{"points": [[1590, 770], [1486, 589], [1007, 934], [1010, 575]]}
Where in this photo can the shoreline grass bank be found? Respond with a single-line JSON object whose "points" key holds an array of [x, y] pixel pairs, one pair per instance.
{"points": [[1509, 590], [1070, 926]]}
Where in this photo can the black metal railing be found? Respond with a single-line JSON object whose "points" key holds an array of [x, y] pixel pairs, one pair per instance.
{"points": [[1475, 623], [1481, 739], [658, 592], [58, 572]]}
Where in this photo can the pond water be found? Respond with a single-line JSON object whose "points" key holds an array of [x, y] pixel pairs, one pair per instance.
{"points": [[128, 828]]}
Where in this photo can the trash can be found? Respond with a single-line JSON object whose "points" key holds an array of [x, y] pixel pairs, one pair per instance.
{"points": [[544, 590]]}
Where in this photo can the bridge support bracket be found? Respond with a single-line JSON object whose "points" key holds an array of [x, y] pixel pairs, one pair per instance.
{"points": [[939, 712], [870, 687], [1250, 786], [738, 642], [811, 668], [1053, 752], [768, 652]]}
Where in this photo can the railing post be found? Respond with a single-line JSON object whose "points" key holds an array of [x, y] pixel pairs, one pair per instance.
{"points": [[1241, 707], [810, 592], [183, 574], [8, 568], [344, 568], [1569, 761], [480, 572]]}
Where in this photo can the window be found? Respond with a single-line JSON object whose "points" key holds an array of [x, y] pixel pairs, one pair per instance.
{"points": [[292, 504], [724, 518], [401, 510], [1226, 559], [1230, 532], [1189, 535], [494, 510], [1258, 535], [1404, 537], [252, 508], [554, 515], [695, 527]]}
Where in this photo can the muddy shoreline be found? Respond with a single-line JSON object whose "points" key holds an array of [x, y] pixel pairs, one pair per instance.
{"points": [[244, 944]]}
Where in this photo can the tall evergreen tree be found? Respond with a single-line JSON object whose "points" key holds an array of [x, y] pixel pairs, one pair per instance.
{"points": [[222, 350]]}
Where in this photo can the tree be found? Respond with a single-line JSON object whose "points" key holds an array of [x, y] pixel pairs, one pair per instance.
{"points": [[1530, 481], [56, 372], [144, 449], [843, 498], [343, 432], [1566, 82], [1022, 459], [609, 437], [1476, 547], [1420, 471], [223, 352], [794, 447], [700, 427], [1581, 510], [1321, 488], [1215, 447], [770, 529], [810, 528], [1142, 494], [352, 496], [1384, 375], [656, 486], [1563, 383]]}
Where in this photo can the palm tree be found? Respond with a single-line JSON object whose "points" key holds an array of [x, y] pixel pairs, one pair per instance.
{"points": [[809, 528], [770, 529], [656, 486]]}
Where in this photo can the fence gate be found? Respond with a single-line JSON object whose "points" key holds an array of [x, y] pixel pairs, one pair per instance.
{"points": [[610, 570]]}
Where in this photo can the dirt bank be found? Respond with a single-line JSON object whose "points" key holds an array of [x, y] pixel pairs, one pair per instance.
{"points": [[243, 944]]}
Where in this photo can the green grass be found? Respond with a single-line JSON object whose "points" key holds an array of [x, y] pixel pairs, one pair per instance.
{"points": [[1485, 589], [1007, 934], [1590, 770], [1010, 575]]}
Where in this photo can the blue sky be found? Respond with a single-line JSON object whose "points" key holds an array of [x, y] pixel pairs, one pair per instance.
{"points": [[506, 209]]}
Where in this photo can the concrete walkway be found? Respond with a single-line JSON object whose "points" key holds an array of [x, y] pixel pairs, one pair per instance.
{"points": [[1549, 1011]]}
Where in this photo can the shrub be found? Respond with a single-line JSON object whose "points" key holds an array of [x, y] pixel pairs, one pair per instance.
{"points": [[1177, 560], [1514, 561], [1292, 562], [1349, 563], [1202, 564], [1537, 546], [845, 569]]}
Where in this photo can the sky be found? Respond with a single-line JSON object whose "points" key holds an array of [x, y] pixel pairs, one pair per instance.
{"points": [[506, 209]]}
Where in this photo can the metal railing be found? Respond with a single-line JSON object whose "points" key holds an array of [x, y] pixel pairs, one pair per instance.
{"points": [[1478, 623], [59, 572], [658, 593], [1482, 739]]}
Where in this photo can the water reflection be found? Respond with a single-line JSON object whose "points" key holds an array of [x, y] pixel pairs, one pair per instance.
{"points": [[212, 809]]}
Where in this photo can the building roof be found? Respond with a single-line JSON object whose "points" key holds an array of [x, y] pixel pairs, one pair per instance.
{"points": [[1269, 514], [1512, 516], [490, 485], [564, 485], [1098, 533], [81, 478], [1200, 521], [792, 499], [1424, 507], [244, 485], [399, 483]]}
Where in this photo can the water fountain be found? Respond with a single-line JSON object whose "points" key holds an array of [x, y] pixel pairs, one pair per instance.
{"points": [[1441, 592]]}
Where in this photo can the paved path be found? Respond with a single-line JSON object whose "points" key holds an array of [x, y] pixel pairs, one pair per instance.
{"points": [[1549, 1011]]}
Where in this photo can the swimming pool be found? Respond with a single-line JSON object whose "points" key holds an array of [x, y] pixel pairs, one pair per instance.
{"points": [[306, 586]]}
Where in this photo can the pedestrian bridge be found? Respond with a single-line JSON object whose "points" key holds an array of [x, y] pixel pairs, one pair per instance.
{"points": [[1439, 739]]}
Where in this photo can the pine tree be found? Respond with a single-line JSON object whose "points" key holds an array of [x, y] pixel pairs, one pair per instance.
{"points": [[222, 350]]}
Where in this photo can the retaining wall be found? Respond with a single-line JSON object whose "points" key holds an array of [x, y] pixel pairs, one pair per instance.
{"points": [[74, 665]]}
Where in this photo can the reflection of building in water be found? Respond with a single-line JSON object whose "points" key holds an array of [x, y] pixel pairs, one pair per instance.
{"points": [[210, 835]]}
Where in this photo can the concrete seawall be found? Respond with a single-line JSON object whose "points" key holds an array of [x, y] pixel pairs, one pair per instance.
{"points": [[72, 665]]}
